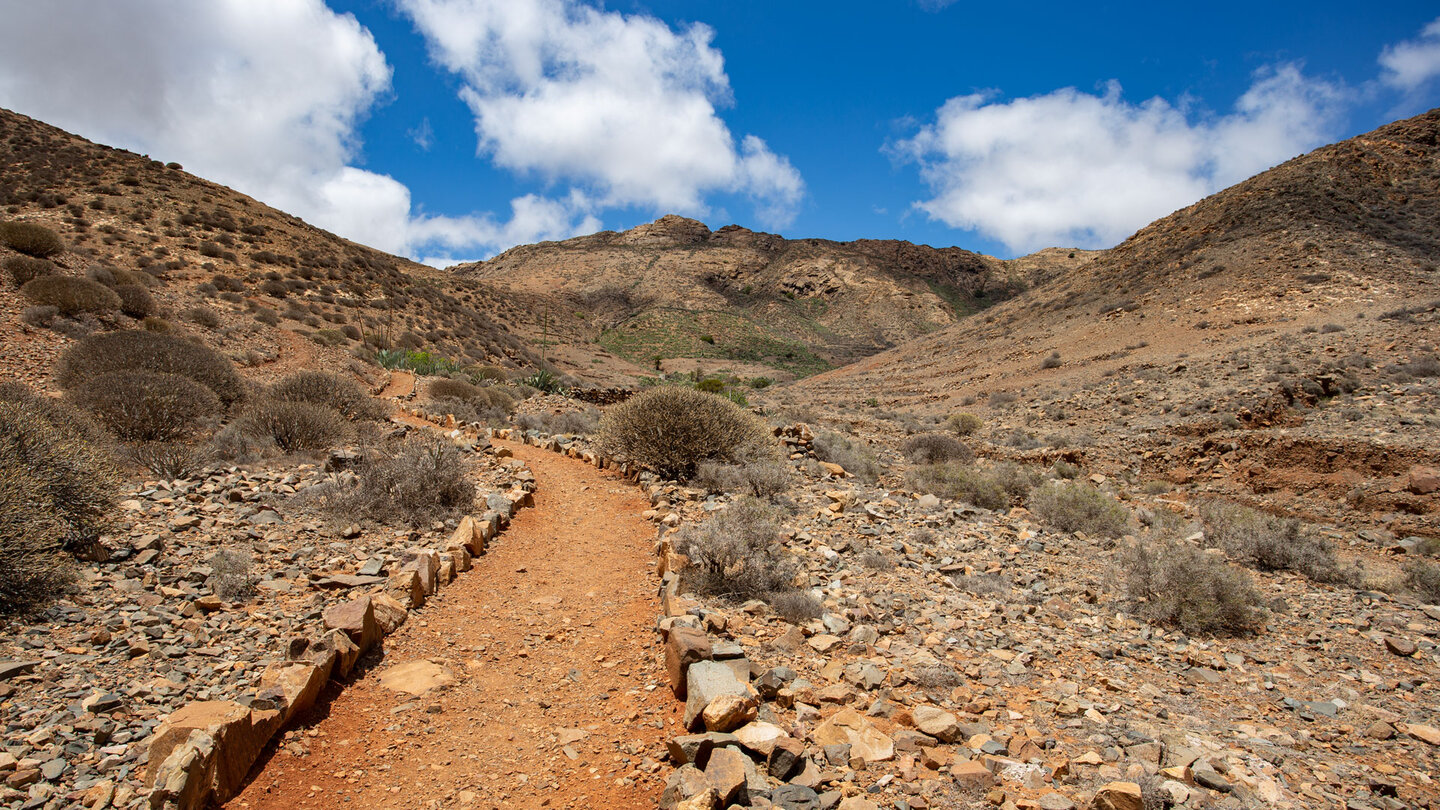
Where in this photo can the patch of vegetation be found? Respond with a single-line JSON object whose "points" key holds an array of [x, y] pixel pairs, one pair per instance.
{"points": [[23, 269], [578, 423], [333, 391], [762, 479], [964, 424], [138, 405], [936, 448], [672, 429], [852, 454], [1181, 586], [168, 354], [1423, 577], [31, 238], [961, 482], [420, 480], [737, 553], [1269, 543], [1072, 506], [295, 426], [667, 332], [70, 295]]}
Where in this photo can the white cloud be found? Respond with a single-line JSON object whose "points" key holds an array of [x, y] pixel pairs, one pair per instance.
{"points": [[260, 95], [1087, 170], [622, 106], [1411, 64]]}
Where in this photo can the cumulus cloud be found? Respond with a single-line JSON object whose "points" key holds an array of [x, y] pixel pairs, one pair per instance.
{"points": [[1088, 169], [261, 95], [1412, 64], [623, 107]]}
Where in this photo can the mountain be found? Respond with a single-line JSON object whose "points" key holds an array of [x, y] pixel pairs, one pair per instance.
{"points": [[1284, 329], [675, 289]]}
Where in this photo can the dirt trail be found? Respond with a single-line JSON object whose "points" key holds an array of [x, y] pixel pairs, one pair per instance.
{"points": [[560, 700], [401, 384]]}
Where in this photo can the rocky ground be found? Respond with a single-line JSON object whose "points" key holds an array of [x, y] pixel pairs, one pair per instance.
{"points": [[206, 582]]}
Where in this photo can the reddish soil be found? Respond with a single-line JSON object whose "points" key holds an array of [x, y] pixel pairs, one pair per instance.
{"points": [[551, 635], [402, 384]]}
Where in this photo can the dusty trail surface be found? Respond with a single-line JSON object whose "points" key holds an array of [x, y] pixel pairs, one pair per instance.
{"points": [[559, 700], [402, 384]]}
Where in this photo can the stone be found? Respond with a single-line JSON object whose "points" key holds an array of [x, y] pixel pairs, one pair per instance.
{"points": [[239, 735], [848, 727], [691, 748], [938, 723], [1055, 801], [347, 653], [417, 677], [1422, 480], [466, 536], [707, 799], [1118, 796], [683, 647], [728, 712], [11, 669], [759, 737], [405, 588], [297, 684], [705, 681], [973, 774], [857, 803], [355, 618], [683, 783], [1426, 734], [795, 797], [389, 613], [1402, 647], [726, 773], [787, 756]]}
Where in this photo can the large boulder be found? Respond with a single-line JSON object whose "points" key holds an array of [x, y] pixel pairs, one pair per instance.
{"points": [[356, 619], [704, 682]]}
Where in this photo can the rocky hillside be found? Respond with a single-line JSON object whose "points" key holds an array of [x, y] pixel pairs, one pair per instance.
{"points": [[263, 286], [1296, 309], [675, 289]]}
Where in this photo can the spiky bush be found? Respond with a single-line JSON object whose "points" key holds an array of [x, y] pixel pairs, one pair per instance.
{"points": [[70, 480], [1177, 584], [151, 351], [737, 553], [147, 406], [455, 389], [671, 429], [970, 484], [24, 268], [135, 300], [1071, 506], [420, 480], [332, 390], [295, 426], [933, 448], [33, 568], [1269, 543], [30, 238], [71, 295]]}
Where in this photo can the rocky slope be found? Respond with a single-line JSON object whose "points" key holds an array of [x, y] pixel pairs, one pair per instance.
{"points": [[673, 289]]}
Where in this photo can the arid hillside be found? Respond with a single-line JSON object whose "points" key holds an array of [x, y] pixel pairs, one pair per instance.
{"points": [[267, 288], [1278, 337], [675, 289]]}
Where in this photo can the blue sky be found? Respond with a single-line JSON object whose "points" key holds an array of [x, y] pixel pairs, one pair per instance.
{"points": [[450, 129]]}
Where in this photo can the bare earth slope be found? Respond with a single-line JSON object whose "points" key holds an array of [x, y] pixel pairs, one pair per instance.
{"points": [[1301, 301], [673, 288]]}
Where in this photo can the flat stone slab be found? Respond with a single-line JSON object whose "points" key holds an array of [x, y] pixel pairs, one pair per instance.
{"points": [[417, 677]]}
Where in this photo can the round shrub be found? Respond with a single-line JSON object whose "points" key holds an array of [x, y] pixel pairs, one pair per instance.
{"points": [[72, 480], [455, 389], [295, 426], [671, 429], [65, 417], [135, 300], [935, 448], [71, 295], [31, 238], [151, 351], [331, 390], [32, 568], [1071, 506], [424, 479], [146, 406], [24, 268], [964, 424]]}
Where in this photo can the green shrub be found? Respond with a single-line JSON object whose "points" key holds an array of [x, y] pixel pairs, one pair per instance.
{"points": [[1269, 543], [24, 268], [969, 484], [168, 354], [147, 406], [135, 300], [543, 380], [71, 481], [964, 424], [710, 385], [737, 553], [1181, 586], [71, 295], [1071, 506], [934, 448], [295, 426], [331, 390], [31, 238], [671, 429], [853, 455]]}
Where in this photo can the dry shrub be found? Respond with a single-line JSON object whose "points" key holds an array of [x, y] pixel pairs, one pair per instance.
{"points": [[1269, 543], [135, 300], [1071, 506], [71, 481], [671, 429], [762, 478], [295, 426], [147, 406], [966, 483], [234, 443], [169, 460], [1178, 585], [578, 423], [1423, 578], [331, 390], [454, 389], [39, 316], [71, 295], [934, 448], [231, 576], [422, 480], [68, 419], [31, 238], [465, 411], [33, 569], [152, 351], [203, 316], [736, 553], [852, 454], [964, 424], [24, 268]]}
